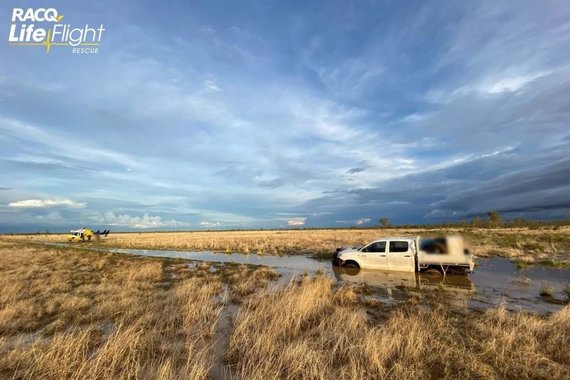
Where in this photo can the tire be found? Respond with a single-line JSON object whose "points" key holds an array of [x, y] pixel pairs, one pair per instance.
{"points": [[433, 272], [351, 264]]}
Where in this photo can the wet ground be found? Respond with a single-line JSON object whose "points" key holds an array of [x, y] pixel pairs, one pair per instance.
{"points": [[494, 281]]}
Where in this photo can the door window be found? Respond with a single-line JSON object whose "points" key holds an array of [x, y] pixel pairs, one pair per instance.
{"points": [[398, 246], [379, 246]]}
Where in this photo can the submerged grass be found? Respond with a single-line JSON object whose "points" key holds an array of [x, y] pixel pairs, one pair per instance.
{"points": [[525, 261], [546, 290]]}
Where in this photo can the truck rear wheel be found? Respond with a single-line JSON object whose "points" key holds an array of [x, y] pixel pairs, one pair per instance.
{"points": [[433, 272]]}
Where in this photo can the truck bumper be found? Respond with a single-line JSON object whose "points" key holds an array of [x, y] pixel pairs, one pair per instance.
{"points": [[336, 261]]}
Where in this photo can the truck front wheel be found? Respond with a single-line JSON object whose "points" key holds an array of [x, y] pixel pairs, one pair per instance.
{"points": [[351, 264]]}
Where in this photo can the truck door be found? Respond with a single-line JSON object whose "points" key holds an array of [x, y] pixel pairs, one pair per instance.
{"points": [[374, 255], [400, 256]]}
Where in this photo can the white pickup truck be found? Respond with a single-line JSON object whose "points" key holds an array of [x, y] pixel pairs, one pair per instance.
{"points": [[403, 254]]}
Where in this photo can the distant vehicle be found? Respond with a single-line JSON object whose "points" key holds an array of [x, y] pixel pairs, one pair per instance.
{"points": [[86, 234], [441, 255]]}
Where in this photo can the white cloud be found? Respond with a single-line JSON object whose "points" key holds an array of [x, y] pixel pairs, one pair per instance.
{"points": [[143, 222], [358, 222], [296, 222], [416, 116], [495, 84], [38, 203], [212, 85], [210, 224], [353, 76], [65, 145], [510, 84], [207, 29]]}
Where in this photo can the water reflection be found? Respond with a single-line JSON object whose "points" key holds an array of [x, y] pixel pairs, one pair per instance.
{"points": [[495, 281], [398, 285], [298, 263]]}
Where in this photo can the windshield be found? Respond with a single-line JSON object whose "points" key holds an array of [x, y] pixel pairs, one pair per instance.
{"points": [[377, 246]]}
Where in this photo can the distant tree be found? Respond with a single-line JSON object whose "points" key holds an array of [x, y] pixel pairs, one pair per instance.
{"points": [[477, 222], [384, 222], [494, 218]]}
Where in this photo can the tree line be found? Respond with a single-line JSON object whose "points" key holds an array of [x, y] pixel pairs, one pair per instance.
{"points": [[493, 220]]}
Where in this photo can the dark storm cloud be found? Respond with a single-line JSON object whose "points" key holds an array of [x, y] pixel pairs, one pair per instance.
{"points": [[527, 191], [355, 170], [500, 182]]}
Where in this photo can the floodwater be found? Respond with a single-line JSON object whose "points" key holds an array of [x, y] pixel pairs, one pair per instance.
{"points": [[295, 263], [495, 280], [499, 280]]}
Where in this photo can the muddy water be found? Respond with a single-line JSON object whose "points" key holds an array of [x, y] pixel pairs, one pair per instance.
{"points": [[494, 281], [499, 280]]}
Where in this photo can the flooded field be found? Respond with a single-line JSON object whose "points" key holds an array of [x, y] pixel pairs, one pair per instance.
{"points": [[85, 312], [495, 281]]}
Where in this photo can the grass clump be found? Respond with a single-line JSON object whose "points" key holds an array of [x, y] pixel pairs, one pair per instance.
{"points": [[546, 290], [560, 264], [92, 315], [311, 329]]}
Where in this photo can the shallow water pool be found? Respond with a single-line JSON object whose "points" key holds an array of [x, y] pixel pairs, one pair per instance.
{"points": [[494, 281]]}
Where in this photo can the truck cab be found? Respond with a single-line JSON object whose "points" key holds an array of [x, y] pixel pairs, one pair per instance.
{"points": [[395, 254]]}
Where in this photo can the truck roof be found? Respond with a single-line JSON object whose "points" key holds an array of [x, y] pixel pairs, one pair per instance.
{"points": [[395, 238]]}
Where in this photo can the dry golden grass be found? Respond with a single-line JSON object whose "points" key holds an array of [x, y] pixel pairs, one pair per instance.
{"points": [[503, 242], [311, 330], [68, 313], [78, 314]]}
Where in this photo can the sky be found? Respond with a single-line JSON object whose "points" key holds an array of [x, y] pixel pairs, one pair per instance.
{"points": [[270, 114]]}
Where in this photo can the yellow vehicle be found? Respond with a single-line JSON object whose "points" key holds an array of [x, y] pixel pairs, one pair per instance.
{"points": [[86, 234]]}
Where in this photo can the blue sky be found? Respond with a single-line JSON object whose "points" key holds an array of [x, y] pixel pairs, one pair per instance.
{"points": [[226, 114]]}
